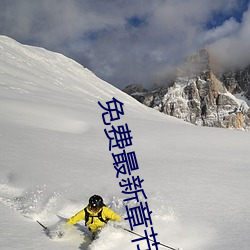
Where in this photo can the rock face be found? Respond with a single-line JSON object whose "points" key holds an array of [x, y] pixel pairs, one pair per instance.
{"points": [[237, 81], [137, 91], [201, 97]]}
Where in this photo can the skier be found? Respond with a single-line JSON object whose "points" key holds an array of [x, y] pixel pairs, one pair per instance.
{"points": [[95, 214]]}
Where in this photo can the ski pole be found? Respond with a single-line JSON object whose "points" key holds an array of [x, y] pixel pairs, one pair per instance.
{"points": [[151, 239], [45, 228]]}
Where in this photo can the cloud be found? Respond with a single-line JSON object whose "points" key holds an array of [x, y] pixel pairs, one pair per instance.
{"points": [[125, 42], [233, 49], [228, 28]]}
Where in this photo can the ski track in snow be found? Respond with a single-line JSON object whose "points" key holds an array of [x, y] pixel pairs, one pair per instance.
{"points": [[40, 204], [32, 204], [36, 205]]}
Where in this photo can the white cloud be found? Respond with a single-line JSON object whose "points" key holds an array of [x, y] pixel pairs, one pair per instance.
{"points": [[233, 50], [228, 28], [97, 32]]}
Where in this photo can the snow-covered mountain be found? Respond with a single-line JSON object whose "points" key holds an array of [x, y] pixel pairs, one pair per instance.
{"points": [[201, 95], [55, 154]]}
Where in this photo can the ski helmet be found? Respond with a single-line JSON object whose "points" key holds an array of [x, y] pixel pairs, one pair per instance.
{"points": [[96, 202]]}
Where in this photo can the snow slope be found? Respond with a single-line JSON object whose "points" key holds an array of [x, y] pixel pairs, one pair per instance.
{"points": [[54, 155]]}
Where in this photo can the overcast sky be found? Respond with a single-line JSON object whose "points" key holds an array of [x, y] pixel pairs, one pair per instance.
{"points": [[131, 41]]}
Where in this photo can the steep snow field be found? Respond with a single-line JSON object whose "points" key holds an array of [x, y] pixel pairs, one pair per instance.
{"points": [[54, 155]]}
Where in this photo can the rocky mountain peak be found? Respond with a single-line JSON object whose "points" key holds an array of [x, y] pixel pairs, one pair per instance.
{"points": [[200, 96], [196, 64]]}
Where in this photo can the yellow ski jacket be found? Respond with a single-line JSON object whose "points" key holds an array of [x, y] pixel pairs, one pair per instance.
{"points": [[94, 223]]}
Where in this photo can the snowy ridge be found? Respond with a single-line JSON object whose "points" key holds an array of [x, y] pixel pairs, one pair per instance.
{"points": [[54, 155]]}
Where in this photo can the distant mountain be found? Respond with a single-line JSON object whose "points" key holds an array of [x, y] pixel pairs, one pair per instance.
{"points": [[201, 94]]}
